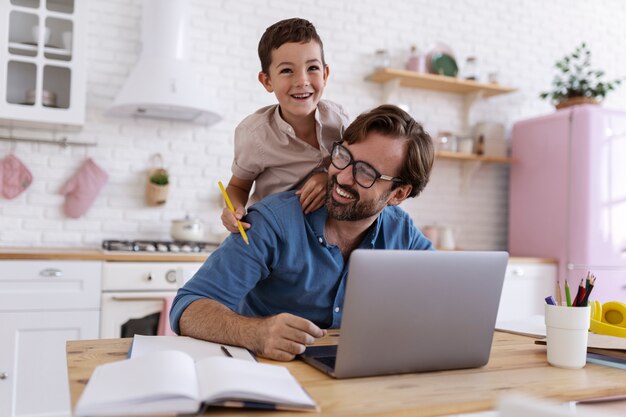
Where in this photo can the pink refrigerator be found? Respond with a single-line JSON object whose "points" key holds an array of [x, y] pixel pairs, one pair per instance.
{"points": [[568, 195]]}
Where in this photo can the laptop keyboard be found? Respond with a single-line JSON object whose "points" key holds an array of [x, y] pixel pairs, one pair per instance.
{"points": [[327, 360]]}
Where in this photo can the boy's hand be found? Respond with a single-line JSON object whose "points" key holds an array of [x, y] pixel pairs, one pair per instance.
{"points": [[313, 192], [229, 220]]}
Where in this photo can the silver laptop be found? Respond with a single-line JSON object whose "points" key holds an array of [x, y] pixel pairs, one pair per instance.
{"points": [[414, 311]]}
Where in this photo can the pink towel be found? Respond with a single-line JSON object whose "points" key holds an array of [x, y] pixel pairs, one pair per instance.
{"points": [[15, 177], [82, 189], [164, 321]]}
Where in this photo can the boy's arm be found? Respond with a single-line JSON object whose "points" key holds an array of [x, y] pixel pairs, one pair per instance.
{"points": [[313, 192], [238, 191]]}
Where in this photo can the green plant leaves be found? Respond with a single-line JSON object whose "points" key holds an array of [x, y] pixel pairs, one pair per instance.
{"points": [[577, 79]]}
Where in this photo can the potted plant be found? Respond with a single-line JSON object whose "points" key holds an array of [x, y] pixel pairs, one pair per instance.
{"points": [[576, 83], [158, 184], [158, 187], [160, 177]]}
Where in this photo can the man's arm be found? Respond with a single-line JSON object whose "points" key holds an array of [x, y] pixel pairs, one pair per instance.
{"points": [[279, 337]]}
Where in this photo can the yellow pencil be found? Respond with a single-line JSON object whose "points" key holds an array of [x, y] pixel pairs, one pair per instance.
{"points": [[230, 206]]}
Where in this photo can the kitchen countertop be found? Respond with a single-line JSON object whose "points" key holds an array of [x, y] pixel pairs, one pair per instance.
{"points": [[77, 254], [102, 255]]}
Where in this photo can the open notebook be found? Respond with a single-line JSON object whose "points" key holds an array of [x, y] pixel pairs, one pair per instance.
{"points": [[171, 382]]}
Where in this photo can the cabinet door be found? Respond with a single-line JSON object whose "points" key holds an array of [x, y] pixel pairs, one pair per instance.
{"points": [[32, 360], [42, 75], [526, 285], [49, 285]]}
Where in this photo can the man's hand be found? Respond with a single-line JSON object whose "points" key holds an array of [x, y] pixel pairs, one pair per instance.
{"points": [[229, 220], [313, 192], [284, 336]]}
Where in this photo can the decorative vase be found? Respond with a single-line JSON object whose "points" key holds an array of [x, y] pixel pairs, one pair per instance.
{"points": [[575, 101]]}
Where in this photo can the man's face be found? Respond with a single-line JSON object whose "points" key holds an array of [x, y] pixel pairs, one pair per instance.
{"points": [[345, 198], [297, 76]]}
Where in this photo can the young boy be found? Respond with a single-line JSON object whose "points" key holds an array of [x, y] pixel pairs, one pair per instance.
{"points": [[286, 146]]}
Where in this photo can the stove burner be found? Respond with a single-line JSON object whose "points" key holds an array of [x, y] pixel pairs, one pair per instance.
{"points": [[157, 246]]}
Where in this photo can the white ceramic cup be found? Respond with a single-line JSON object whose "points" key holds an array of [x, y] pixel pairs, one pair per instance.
{"points": [[466, 145], [567, 330]]}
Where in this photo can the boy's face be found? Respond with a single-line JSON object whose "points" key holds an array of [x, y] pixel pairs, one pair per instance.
{"points": [[297, 77]]}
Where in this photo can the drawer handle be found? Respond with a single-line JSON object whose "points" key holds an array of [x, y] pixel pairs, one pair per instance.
{"points": [[137, 298], [4, 375], [51, 272], [519, 272]]}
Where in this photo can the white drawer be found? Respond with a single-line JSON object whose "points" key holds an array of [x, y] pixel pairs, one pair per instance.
{"points": [[49, 285], [526, 285], [147, 276]]}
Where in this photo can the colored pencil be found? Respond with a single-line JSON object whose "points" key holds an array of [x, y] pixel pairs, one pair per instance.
{"points": [[559, 298], [591, 283], [568, 296], [230, 206], [580, 293]]}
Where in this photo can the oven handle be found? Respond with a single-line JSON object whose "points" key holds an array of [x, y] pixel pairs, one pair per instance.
{"points": [[137, 298]]}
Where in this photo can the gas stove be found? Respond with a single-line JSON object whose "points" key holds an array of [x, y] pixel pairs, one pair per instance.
{"points": [[158, 246]]}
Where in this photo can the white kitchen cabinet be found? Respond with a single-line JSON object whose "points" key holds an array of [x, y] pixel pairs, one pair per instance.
{"points": [[42, 60], [526, 284], [42, 305]]}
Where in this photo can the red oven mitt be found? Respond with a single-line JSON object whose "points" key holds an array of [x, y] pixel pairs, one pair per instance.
{"points": [[82, 189]]}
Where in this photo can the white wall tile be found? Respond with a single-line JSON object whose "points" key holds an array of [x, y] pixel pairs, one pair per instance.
{"points": [[519, 40]]}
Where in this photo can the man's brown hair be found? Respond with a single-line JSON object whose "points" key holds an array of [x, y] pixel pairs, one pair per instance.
{"points": [[393, 122], [289, 30]]}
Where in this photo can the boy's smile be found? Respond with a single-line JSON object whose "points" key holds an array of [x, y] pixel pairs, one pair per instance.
{"points": [[297, 76]]}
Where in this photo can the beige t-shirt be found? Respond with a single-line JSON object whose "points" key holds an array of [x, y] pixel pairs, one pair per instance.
{"points": [[268, 152]]}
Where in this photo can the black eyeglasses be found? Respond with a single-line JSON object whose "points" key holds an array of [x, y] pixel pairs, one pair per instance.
{"points": [[363, 173]]}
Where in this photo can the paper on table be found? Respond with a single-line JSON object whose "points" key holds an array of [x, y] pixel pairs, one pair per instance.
{"points": [[195, 348], [603, 341], [122, 383], [534, 326]]}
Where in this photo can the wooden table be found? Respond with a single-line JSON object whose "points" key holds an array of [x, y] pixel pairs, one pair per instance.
{"points": [[516, 364]]}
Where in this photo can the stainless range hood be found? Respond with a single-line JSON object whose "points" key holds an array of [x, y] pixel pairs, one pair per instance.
{"points": [[162, 85]]}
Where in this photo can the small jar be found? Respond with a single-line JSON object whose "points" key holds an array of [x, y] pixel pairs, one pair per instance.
{"points": [[446, 141], [381, 59], [470, 70]]}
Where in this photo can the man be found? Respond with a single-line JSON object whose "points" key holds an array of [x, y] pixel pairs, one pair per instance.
{"points": [[275, 296]]}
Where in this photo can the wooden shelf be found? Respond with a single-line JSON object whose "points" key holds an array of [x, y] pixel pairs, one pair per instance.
{"points": [[436, 82], [473, 157]]}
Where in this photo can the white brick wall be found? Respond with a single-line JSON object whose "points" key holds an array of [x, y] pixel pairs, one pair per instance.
{"points": [[521, 40]]}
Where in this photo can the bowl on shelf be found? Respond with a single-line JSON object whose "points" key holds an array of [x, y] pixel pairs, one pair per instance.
{"points": [[437, 49]]}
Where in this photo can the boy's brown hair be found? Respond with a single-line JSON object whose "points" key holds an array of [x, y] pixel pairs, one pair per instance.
{"points": [[289, 30], [393, 122]]}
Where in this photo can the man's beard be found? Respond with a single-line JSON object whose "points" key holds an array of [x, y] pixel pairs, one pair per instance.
{"points": [[356, 209]]}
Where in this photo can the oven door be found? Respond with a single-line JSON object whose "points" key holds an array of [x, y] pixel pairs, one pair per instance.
{"points": [[126, 313]]}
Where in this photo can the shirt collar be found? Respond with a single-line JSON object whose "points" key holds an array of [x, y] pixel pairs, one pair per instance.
{"points": [[283, 126], [317, 221], [286, 128]]}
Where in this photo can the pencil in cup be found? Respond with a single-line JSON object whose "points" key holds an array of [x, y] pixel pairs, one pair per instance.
{"points": [[232, 209], [568, 296]]}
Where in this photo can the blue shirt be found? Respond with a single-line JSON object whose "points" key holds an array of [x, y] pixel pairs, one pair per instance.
{"points": [[288, 266]]}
